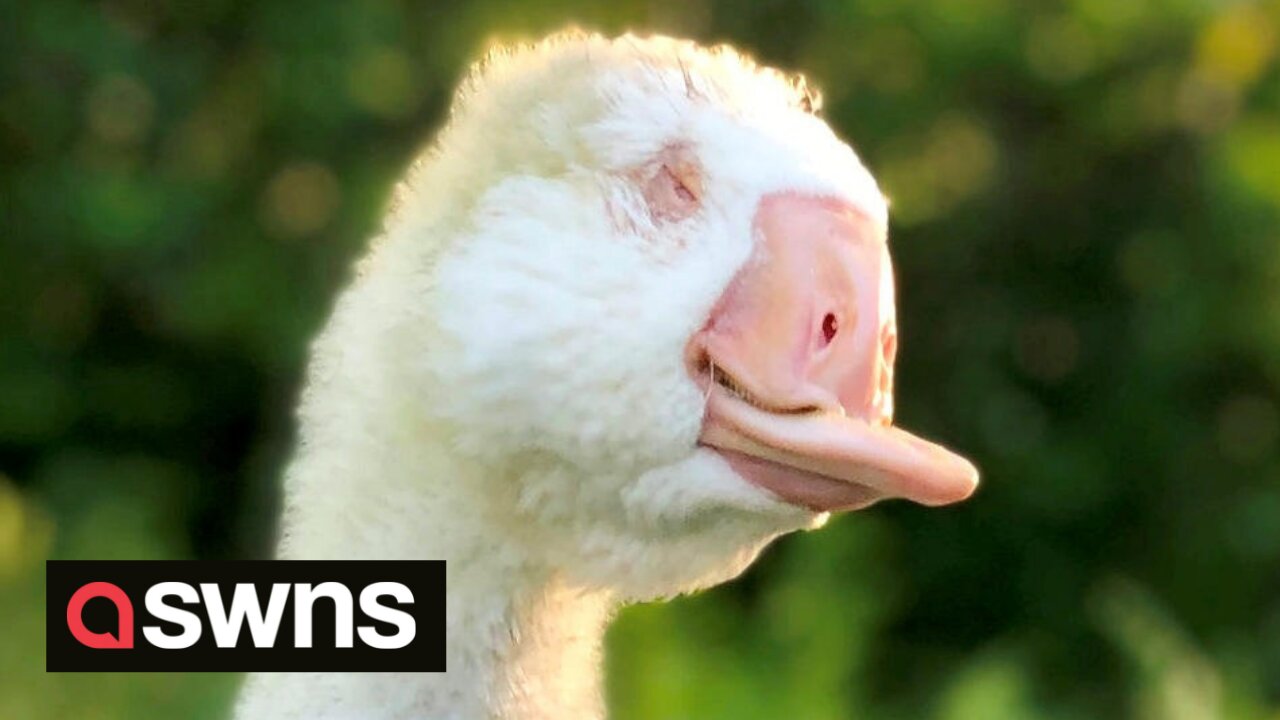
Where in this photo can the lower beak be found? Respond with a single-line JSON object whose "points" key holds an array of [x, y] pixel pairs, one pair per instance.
{"points": [[879, 459]]}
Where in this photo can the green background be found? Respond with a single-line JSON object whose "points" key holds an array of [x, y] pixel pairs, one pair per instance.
{"points": [[1086, 198]]}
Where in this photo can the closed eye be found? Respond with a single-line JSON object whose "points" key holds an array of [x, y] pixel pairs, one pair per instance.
{"points": [[682, 190], [674, 192]]}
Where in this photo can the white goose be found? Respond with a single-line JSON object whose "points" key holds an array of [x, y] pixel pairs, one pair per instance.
{"points": [[630, 319]]}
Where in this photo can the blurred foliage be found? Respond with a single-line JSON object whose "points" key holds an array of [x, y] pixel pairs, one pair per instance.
{"points": [[1087, 228]]}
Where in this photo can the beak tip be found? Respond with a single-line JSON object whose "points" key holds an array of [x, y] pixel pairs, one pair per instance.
{"points": [[960, 486]]}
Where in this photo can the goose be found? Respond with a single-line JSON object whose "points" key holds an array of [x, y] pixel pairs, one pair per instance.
{"points": [[629, 318]]}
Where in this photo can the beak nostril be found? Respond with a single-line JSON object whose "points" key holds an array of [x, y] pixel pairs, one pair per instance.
{"points": [[830, 326]]}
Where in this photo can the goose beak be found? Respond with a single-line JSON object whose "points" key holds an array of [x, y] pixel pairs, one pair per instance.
{"points": [[797, 363]]}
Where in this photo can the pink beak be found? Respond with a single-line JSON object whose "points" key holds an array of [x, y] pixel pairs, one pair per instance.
{"points": [[797, 360]]}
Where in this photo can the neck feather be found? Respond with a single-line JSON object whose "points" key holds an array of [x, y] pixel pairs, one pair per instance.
{"points": [[374, 480]]}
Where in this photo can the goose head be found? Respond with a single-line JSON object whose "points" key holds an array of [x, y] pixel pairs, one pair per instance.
{"points": [[663, 318]]}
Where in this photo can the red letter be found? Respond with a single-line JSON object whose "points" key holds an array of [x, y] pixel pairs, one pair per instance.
{"points": [[124, 610]]}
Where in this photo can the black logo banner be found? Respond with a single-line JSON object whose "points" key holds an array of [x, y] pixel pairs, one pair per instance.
{"points": [[268, 615]]}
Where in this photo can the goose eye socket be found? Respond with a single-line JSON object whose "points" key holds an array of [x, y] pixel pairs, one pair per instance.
{"points": [[674, 191]]}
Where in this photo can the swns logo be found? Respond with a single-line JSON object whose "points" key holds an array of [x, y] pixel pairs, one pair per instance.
{"points": [[319, 615]]}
